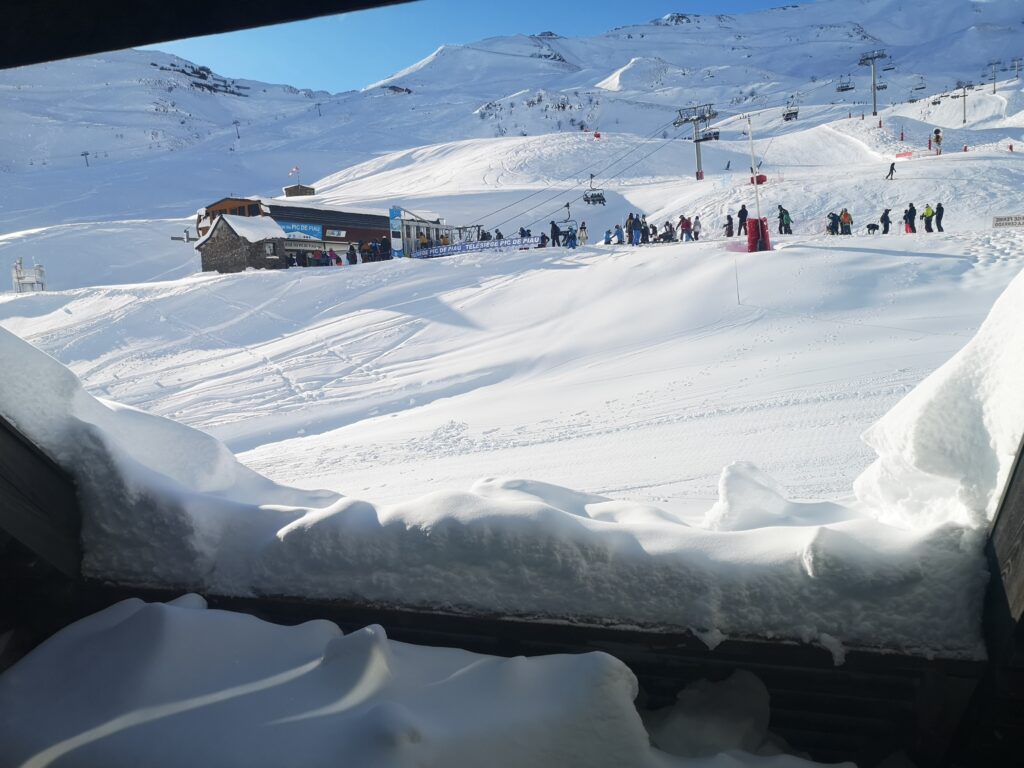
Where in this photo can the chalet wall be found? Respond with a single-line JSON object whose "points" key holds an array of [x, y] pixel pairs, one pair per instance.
{"points": [[225, 251]]}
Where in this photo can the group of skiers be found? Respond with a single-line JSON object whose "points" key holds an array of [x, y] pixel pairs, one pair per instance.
{"points": [[839, 224], [571, 237], [637, 231], [742, 215], [358, 253]]}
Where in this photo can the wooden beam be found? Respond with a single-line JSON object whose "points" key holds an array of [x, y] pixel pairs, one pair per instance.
{"points": [[1004, 606], [33, 32], [38, 504]]}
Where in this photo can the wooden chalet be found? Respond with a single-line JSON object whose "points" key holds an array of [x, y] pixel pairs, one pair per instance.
{"points": [[236, 243], [298, 190], [308, 227]]}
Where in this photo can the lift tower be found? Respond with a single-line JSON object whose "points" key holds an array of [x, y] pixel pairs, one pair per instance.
{"points": [[869, 59], [1015, 62], [995, 65], [698, 116], [963, 85]]}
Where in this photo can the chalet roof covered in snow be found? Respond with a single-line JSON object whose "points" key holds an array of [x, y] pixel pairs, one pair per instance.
{"points": [[255, 229]]}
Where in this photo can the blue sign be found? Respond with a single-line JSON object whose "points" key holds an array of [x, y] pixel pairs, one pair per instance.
{"points": [[476, 245], [397, 248], [315, 231]]}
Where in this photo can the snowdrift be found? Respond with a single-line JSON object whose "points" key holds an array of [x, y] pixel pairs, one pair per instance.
{"points": [[121, 687], [945, 451]]}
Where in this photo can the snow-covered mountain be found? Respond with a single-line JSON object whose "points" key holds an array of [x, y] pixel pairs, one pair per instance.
{"points": [[164, 136]]}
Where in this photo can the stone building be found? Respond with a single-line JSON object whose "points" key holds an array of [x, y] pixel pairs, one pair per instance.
{"points": [[237, 243]]}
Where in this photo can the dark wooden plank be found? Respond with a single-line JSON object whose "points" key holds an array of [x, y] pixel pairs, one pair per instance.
{"points": [[39, 479], [33, 32], [38, 505]]}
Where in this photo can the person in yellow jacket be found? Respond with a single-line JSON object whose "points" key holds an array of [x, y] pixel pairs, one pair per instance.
{"points": [[928, 214]]}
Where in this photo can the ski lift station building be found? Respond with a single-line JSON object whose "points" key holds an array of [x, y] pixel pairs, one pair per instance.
{"points": [[238, 233]]}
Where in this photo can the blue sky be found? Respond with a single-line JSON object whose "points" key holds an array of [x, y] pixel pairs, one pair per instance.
{"points": [[338, 53]]}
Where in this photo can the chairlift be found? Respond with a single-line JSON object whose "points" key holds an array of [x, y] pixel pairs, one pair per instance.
{"points": [[594, 195], [936, 102], [844, 85], [790, 113], [880, 86], [709, 136], [920, 87], [568, 221], [889, 68]]}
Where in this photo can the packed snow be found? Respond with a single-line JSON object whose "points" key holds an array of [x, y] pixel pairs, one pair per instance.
{"points": [[123, 686]]}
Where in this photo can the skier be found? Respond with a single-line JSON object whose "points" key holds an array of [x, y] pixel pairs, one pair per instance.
{"points": [[742, 218], [637, 234], [668, 233], [927, 215], [939, 210], [892, 170], [885, 221], [644, 231], [654, 233], [543, 240], [684, 228], [728, 225], [845, 222], [832, 227], [556, 235], [629, 228], [522, 231], [607, 237], [696, 227], [582, 234], [570, 237], [784, 222], [912, 218], [498, 235], [619, 234], [351, 255]]}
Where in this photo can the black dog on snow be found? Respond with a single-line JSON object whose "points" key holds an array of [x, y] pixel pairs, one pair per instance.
{"points": [[872, 229]]}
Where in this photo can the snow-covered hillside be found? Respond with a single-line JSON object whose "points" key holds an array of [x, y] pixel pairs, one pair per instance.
{"points": [[165, 136]]}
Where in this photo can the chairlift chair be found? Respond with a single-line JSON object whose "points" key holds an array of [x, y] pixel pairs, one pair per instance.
{"points": [[920, 87], [790, 113], [710, 136], [844, 85], [881, 86], [889, 68], [568, 221], [936, 102], [594, 195]]}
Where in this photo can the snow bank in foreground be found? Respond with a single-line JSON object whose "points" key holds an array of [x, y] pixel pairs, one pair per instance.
{"points": [[945, 451], [167, 505], [175, 684]]}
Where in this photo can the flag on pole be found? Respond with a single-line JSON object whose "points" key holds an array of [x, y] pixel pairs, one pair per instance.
{"points": [[294, 170]]}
